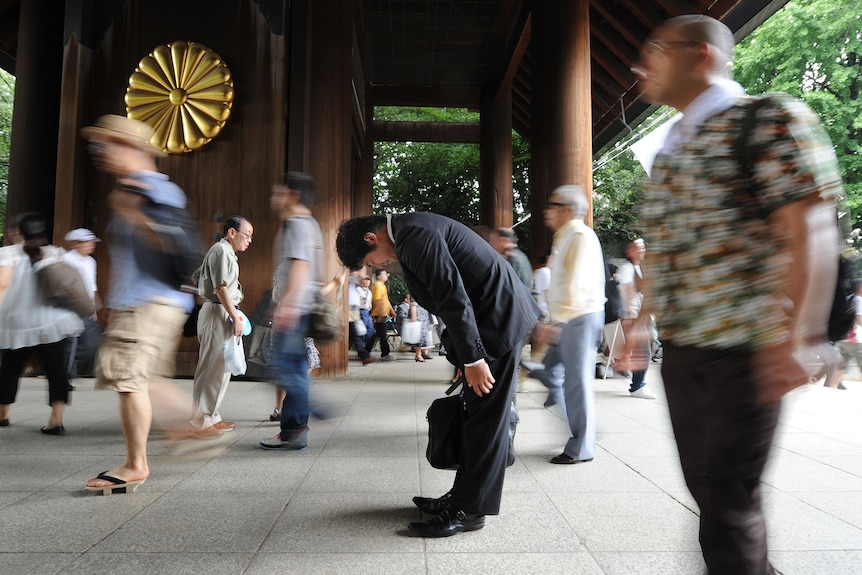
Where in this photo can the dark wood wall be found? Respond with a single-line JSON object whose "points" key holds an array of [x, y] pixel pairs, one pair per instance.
{"points": [[232, 174]]}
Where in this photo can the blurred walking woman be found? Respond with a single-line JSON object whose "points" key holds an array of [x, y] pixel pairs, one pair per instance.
{"points": [[28, 324]]}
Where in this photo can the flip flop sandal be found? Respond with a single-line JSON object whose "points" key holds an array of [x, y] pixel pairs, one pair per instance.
{"points": [[119, 486]]}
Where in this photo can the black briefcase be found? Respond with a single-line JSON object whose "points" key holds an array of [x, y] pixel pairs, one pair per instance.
{"points": [[445, 429]]}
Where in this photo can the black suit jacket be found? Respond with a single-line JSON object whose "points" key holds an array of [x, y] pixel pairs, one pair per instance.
{"points": [[455, 274]]}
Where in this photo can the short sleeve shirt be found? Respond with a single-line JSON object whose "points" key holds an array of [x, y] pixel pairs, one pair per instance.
{"points": [[301, 240], [380, 304], [715, 275], [220, 268]]}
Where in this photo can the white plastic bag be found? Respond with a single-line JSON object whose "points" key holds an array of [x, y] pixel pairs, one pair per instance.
{"points": [[411, 332], [359, 327], [234, 356]]}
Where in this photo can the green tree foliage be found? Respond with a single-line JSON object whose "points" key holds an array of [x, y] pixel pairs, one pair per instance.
{"points": [[7, 97], [813, 50], [441, 178], [618, 186], [425, 177]]}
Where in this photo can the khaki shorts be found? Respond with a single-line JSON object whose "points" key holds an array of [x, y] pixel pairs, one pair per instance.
{"points": [[140, 343]]}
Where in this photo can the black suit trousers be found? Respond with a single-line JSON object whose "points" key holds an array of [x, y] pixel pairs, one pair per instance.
{"points": [[379, 334], [723, 434], [478, 485]]}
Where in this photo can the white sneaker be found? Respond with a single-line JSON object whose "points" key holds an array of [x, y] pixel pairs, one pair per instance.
{"points": [[642, 393]]}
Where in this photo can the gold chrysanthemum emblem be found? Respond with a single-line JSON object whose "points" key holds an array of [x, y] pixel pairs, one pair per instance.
{"points": [[185, 92]]}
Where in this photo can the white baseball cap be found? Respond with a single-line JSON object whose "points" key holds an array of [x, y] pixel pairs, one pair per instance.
{"points": [[81, 235]]}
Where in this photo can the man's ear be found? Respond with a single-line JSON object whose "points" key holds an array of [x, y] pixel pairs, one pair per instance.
{"points": [[370, 238]]}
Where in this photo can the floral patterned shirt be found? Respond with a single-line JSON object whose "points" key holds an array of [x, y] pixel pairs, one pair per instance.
{"points": [[716, 277]]}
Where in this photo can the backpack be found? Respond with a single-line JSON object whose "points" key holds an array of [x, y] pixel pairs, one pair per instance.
{"points": [[613, 297], [843, 311], [181, 247], [180, 250]]}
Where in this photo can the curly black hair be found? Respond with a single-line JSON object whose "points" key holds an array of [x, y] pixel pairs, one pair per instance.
{"points": [[350, 242]]}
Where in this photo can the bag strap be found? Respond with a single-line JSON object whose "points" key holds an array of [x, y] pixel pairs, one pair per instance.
{"points": [[744, 192], [461, 381]]}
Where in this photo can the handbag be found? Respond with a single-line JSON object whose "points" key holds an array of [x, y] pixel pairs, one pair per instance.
{"points": [[326, 324], [63, 286], [445, 429], [234, 356], [411, 332]]}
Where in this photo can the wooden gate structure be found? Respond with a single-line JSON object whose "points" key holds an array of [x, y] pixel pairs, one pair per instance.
{"points": [[306, 75]]}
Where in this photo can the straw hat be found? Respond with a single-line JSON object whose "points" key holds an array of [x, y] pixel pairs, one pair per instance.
{"points": [[120, 128]]}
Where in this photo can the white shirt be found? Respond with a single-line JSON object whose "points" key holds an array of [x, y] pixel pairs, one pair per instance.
{"points": [[86, 266], [541, 284], [577, 273], [717, 98], [626, 276]]}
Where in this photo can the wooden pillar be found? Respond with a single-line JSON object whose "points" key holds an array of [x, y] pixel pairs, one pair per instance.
{"points": [[33, 149], [562, 129], [495, 161], [539, 180], [72, 208], [328, 136], [363, 182]]}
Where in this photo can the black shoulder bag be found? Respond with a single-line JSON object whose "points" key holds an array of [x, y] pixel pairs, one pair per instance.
{"points": [[843, 311]]}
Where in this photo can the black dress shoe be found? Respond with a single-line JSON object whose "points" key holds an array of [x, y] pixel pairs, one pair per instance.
{"points": [[449, 522], [4, 423], [59, 430], [433, 506], [566, 460]]}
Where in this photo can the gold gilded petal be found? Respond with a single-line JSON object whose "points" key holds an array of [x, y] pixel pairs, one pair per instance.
{"points": [[194, 138], [214, 77], [218, 111], [179, 49], [192, 63], [162, 56], [135, 98], [141, 81], [208, 125], [202, 71], [161, 123], [176, 145], [148, 112], [223, 93], [150, 68]]}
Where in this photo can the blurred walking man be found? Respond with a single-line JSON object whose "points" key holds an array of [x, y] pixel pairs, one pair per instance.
{"points": [[146, 313], [743, 245]]}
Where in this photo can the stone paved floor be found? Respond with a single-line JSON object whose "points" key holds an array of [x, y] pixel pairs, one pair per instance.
{"points": [[227, 507]]}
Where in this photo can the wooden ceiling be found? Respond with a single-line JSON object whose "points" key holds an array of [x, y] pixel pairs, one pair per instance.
{"points": [[444, 52], [441, 53]]}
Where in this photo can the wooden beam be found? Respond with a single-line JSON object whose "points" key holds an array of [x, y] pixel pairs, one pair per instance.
{"points": [[514, 60], [435, 132], [428, 96]]}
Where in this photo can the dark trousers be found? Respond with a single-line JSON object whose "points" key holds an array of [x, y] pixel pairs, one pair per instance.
{"points": [[723, 436], [55, 361], [357, 341], [478, 486], [379, 333], [291, 363]]}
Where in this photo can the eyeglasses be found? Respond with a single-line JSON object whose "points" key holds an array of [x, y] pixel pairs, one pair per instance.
{"points": [[249, 237], [653, 46], [557, 205]]}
